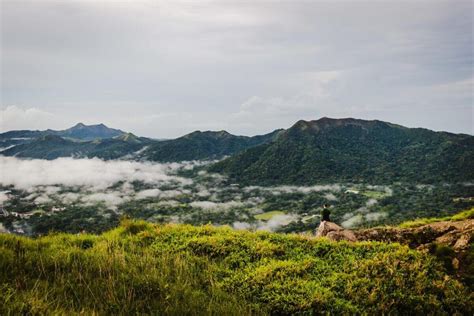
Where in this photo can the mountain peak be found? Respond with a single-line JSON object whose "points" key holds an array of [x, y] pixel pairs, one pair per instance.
{"points": [[79, 125], [89, 132], [128, 137], [327, 122]]}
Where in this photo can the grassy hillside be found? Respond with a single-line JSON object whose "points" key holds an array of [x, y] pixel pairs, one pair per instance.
{"points": [[357, 151], [176, 269], [468, 214]]}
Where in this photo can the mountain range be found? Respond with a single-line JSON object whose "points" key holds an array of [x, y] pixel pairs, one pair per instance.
{"points": [[77, 132], [324, 150], [350, 150], [107, 143]]}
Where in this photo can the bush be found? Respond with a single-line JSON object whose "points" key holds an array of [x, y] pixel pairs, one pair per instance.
{"points": [[140, 268]]}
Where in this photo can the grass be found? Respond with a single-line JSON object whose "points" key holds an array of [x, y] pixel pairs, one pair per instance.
{"points": [[268, 215], [468, 214], [141, 268], [374, 194]]}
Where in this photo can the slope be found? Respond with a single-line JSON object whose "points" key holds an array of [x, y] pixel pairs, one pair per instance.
{"points": [[52, 147], [203, 145], [351, 150], [141, 268]]}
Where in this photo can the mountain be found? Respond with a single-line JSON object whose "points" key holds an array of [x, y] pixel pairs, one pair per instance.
{"points": [[351, 150], [103, 142], [53, 146], [203, 145], [89, 132], [77, 132]]}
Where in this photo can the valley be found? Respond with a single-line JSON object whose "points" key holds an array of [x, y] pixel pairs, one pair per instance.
{"points": [[91, 195]]}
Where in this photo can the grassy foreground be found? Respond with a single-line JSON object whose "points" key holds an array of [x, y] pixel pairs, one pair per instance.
{"points": [[140, 268], [468, 214]]}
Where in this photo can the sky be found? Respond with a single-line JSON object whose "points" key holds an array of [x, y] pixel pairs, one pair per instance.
{"points": [[165, 68]]}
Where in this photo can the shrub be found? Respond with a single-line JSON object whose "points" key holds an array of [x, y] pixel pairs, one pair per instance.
{"points": [[141, 268]]}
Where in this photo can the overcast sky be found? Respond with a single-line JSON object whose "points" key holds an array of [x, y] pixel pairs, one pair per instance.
{"points": [[163, 69]]}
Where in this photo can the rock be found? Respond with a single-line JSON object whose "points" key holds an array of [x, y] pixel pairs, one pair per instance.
{"points": [[463, 242], [342, 235], [458, 235], [455, 263], [334, 232]]}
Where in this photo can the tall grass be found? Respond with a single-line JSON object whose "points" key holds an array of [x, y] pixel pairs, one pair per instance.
{"points": [[468, 214], [141, 268]]}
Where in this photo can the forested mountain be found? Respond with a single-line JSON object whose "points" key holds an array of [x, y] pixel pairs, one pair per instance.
{"points": [[351, 150], [203, 145], [52, 147], [103, 142], [77, 132]]}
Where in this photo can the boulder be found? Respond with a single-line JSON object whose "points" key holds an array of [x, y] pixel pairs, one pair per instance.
{"points": [[334, 232]]}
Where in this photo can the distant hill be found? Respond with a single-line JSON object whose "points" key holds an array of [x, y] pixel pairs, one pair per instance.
{"points": [[77, 132], [89, 132], [352, 150], [53, 146], [107, 143], [204, 145]]}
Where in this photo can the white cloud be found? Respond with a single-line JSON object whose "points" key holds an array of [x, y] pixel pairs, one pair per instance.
{"points": [[276, 222], [330, 197], [276, 190], [14, 117], [208, 205], [70, 197], [241, 225], [43, 199], [371, 202], [353, 221], [147, 194], [111, 199], [375, 216], [24, 174]]}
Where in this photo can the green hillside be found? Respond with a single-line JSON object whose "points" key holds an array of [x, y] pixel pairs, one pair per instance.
{"points": [[100, 141], [351, 150], [52, 147], [203, 145], [141, 268], [78, 132]]}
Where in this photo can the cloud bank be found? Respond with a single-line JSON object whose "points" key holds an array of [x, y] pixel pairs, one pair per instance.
{"points": [[96, 173]]}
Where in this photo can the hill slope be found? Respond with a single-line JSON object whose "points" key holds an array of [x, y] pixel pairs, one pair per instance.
{"points": [[77, 132], [141, 268], [351, 150], [52, 147], [203, 145], [103, 142]]}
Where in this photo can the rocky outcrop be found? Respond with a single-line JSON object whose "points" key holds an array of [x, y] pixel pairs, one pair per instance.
{"points": [[457, 235], [334, 232]]}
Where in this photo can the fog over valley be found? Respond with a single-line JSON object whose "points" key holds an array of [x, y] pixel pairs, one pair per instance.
{"points": [[92, 195]]}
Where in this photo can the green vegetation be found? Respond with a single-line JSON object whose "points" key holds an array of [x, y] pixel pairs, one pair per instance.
{"points": [[357, 151], [203, 145], [103, 142], [268, 215], [405, 202], [53, 146], [78, 132], [468, 214], [141, 268]]}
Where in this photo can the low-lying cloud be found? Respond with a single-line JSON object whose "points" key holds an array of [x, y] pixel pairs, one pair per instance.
{"points": [[27, 173]]}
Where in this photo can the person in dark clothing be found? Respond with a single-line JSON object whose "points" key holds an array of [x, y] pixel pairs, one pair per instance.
{"points": [[325, 213]]}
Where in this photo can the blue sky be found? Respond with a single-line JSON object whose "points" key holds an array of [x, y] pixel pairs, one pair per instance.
{"points": [[166, 68]]}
